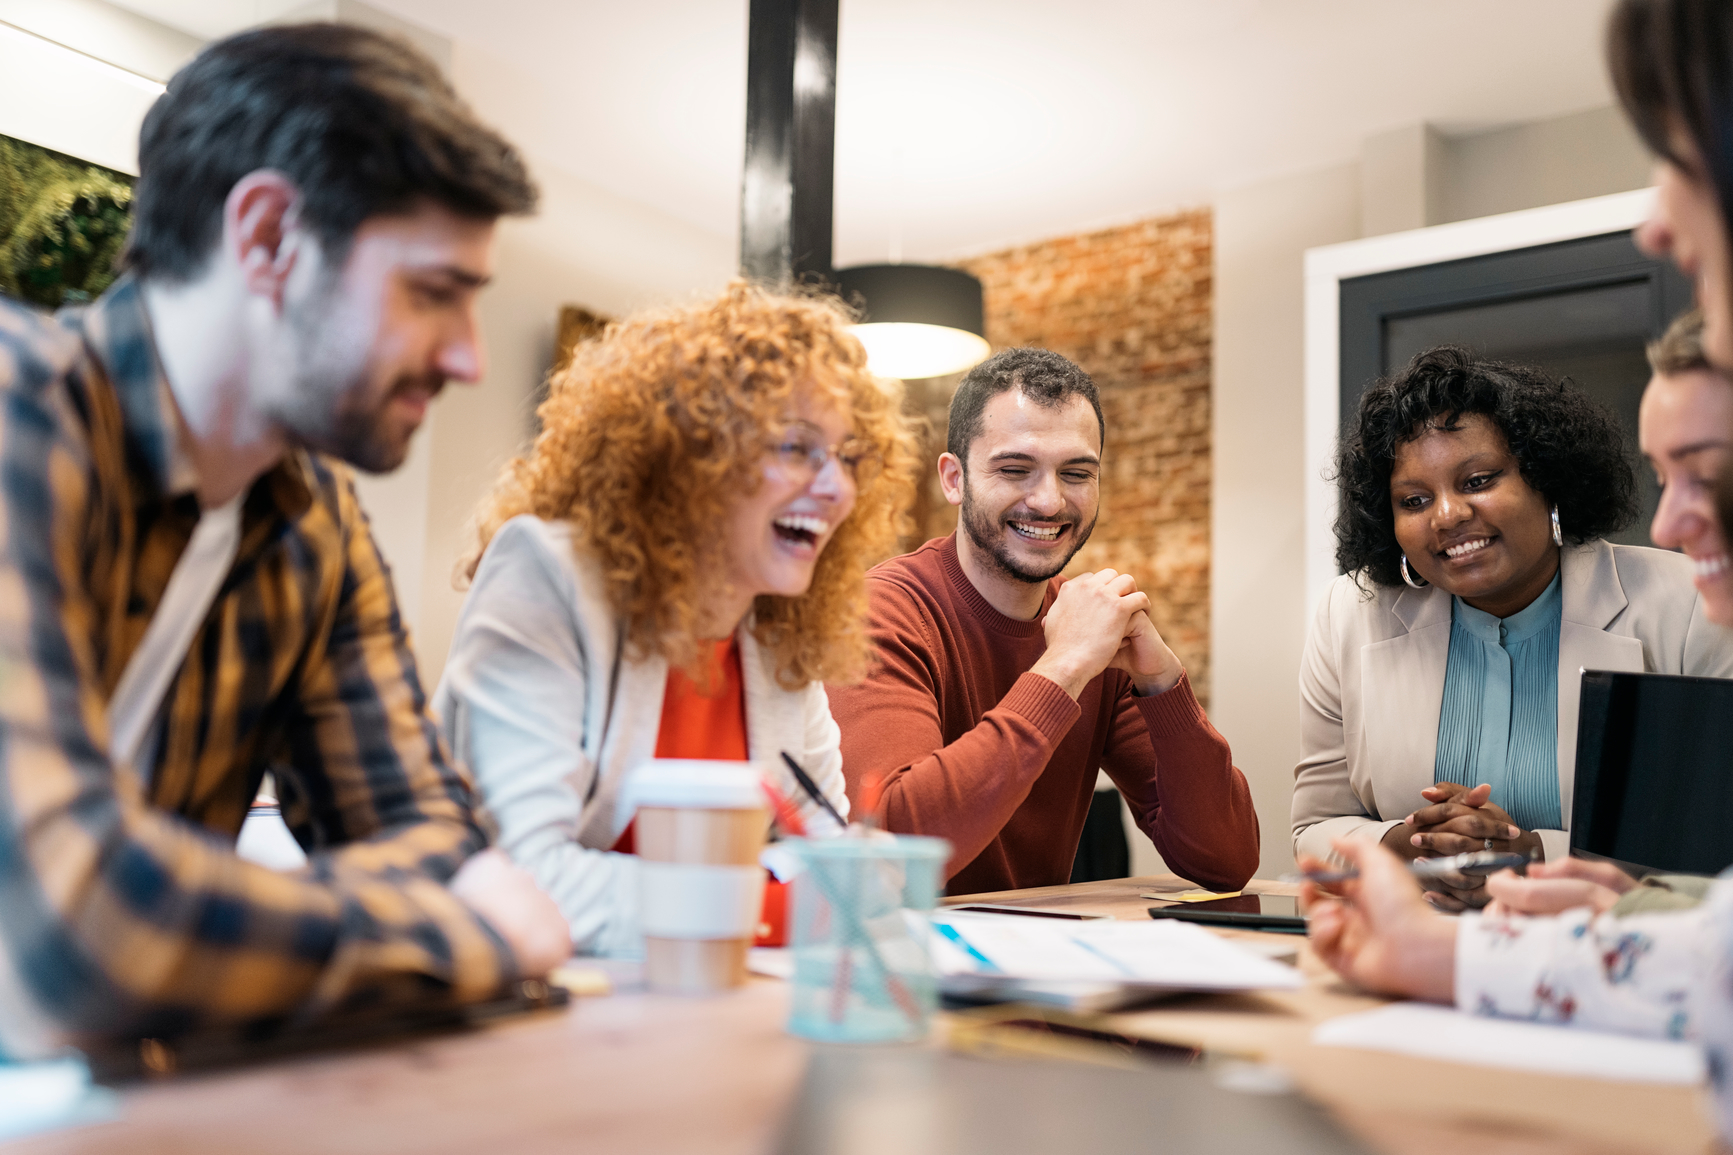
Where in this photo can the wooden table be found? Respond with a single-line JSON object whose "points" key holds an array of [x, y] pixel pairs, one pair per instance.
{"points": [[634, 1072], [1395, 1103]]}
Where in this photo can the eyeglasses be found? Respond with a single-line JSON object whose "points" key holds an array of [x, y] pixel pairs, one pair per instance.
{"points": [[803, 455]]}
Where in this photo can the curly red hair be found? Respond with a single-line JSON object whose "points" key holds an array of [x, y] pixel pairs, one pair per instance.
{"points": [[652, 429]]}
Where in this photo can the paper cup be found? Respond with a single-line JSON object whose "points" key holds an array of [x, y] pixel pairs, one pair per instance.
{"points": [[700, 828]]}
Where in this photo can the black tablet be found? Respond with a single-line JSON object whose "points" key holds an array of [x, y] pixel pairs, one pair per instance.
{"points": [[1272, 912], [1654, 772]]}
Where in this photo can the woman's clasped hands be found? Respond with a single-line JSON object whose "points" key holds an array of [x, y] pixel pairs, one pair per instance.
{"points": [[1458, 820]]}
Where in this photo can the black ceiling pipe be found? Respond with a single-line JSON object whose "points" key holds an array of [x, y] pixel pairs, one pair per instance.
{"points": [[787, 186]]}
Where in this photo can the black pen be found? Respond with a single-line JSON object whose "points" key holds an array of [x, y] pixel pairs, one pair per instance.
{"points": [[812, 790]]}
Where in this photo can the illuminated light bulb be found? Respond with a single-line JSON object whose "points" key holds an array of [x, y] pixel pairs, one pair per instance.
{"points": [[909, 350], [916, 320]]}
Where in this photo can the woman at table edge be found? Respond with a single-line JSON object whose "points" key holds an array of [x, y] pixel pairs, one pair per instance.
{"points": [[1440, 670], [674, 569], [1668, 974]]}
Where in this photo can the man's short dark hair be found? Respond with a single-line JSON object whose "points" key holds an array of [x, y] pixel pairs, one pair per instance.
{"points": [[1043, 377], [362, 123]]}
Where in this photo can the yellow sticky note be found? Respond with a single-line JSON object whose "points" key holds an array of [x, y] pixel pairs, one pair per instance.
{"points": [[1193, 895]]}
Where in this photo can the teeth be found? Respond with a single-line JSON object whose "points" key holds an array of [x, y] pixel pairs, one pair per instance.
{"points": [[1710, 566], [816, 526], [1468, 547], [1037, 533]]}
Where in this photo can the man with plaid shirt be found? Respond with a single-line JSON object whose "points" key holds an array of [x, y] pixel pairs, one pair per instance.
{"points": [[314, 217]]}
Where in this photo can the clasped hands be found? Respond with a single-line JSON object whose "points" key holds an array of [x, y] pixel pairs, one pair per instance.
{"points": [[1458, 821], [1101, 620]]}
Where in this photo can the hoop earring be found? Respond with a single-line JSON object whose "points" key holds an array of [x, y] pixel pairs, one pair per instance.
{"points": [[1409, 578], [1558, 537]]}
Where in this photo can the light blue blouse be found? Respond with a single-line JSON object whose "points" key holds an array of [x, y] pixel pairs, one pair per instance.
{"points": [[1499, 722]]}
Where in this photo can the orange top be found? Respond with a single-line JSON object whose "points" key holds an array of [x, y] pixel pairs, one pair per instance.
{"points": [[696, 724], [699, 724]]}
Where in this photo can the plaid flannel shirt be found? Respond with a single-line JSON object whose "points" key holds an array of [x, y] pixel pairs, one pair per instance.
{"points": [[123, 908]]}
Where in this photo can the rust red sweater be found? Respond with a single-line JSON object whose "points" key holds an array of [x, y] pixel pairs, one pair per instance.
{"points": [[1002, 762]]}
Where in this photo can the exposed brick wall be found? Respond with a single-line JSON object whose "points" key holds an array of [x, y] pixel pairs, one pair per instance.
{"points": [[1132, 306]]}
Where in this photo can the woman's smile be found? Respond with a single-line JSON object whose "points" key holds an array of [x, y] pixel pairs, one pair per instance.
{"points": [[1468, 552]]}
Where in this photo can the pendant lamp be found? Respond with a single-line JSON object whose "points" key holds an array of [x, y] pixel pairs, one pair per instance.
{"points": [[920, 321], [917, 320]]}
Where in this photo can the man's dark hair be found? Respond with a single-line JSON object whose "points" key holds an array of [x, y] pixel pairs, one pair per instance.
{"points": [[1569, 448], [1043, 377], [362, 123]]}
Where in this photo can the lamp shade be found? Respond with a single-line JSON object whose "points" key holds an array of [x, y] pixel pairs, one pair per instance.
{"points": [[917, 320]]}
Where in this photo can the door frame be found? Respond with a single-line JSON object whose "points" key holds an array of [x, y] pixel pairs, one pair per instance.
{"points": [[1327, 266]]}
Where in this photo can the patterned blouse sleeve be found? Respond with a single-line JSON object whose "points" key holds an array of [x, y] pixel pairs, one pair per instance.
{"points": [[1633, 975], [1712, 1007]]}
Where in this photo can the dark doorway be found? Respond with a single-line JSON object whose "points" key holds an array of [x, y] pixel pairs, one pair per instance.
{"points": [[1582, 309]]}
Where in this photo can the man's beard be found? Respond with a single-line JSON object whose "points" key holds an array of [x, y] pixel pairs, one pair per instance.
{"points": [[986, 533], [330, 405]]}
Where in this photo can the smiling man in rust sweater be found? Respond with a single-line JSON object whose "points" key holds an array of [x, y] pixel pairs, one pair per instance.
{"points": [[1000, 688]]}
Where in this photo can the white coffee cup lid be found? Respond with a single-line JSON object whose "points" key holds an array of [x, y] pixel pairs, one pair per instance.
{"points": [[695, 783]]}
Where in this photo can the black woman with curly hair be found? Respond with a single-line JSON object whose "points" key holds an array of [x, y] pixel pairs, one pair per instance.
{"points": [[1439, 685], [1672, 66]]}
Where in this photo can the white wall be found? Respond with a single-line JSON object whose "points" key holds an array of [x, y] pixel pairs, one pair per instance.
{"points": [[1416, 175], [1257, 514], [1545, 162], [585, 247], [67, 101], [125, 39], [1402, 177]]}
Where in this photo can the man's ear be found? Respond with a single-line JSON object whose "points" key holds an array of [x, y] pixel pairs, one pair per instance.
{"points": [[951, 478], [262, 231]]}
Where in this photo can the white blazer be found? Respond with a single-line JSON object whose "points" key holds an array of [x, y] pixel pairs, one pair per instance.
{"points": [[547, 709], [1372, 681]]}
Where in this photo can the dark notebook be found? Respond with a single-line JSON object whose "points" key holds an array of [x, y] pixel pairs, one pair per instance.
{"points": [[1654, 774]]}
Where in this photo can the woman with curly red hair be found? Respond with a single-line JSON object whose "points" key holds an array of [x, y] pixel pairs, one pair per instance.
{"points": [[674, 569]]}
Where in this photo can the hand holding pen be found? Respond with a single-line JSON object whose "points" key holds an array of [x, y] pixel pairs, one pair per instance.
{"points": [[1376, 931], [1477, 863]]}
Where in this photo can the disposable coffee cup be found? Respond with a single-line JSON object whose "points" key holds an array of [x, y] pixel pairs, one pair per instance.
{"points": [[700, 828]]}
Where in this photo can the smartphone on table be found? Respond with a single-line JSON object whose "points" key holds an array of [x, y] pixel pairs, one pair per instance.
{"points": [[1268, 912]]}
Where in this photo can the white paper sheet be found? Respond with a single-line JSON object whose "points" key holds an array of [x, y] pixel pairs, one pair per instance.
{"points": [[1159, 954], [771, 962], [42, 1096], [1434, 1032]]}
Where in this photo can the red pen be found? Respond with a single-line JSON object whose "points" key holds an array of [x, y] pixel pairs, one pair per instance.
{"points": [[787, 816]]}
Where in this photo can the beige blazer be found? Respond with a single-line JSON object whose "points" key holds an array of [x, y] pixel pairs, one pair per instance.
{"points": [[1372, 681], [549, 710]]}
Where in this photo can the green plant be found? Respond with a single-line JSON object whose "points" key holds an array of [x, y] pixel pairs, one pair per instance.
{"points": [[62, 223]]}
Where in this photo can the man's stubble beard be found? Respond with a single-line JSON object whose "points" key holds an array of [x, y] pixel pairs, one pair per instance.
{"points": [[983, 530], [330, 407]]}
